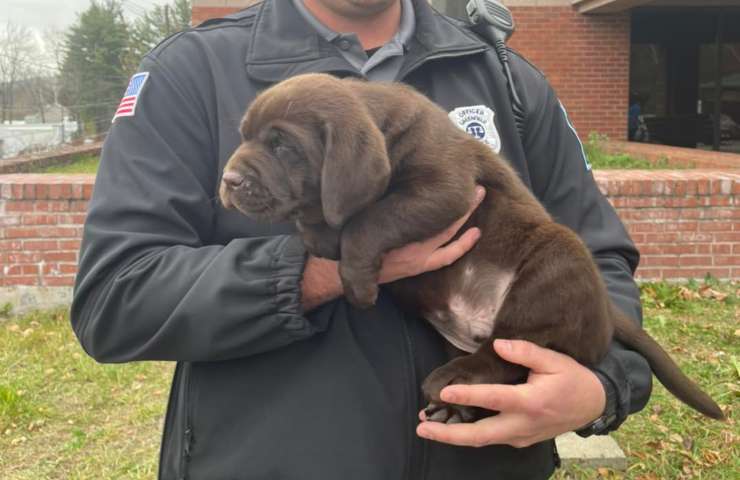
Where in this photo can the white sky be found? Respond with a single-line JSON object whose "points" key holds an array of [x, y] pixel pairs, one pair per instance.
{"points": [[44, 14]]}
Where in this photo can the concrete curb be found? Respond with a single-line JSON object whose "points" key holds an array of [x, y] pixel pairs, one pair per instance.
{"points": [[596, 451]]}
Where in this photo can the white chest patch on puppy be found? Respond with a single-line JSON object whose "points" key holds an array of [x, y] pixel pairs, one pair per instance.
{"points": [[472, 308]]}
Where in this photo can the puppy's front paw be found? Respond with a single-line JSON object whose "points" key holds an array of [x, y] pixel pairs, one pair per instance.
{"points": [[361, 296], [361, 290]]}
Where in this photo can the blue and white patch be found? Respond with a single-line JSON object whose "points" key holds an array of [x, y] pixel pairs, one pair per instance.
{"points": [[477, 120], [572, 129]]}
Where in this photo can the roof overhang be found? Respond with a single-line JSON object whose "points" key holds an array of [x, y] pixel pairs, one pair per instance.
{"points": [[615, 6], [606, 6]]}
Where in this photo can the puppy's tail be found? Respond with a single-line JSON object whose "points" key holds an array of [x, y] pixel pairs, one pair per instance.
{"points": [[664, 368]]}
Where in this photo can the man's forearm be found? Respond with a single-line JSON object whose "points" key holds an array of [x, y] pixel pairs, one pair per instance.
{"points": [[321, 282]]}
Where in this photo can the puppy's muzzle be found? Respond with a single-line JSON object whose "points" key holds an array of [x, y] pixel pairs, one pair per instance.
{"points": [[245, 192]]}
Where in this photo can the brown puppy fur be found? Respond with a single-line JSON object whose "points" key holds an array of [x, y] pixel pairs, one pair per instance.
{"points": [[364, 168]]}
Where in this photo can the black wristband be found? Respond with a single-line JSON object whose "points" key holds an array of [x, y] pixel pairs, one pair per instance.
{"points": [[601, 425]]}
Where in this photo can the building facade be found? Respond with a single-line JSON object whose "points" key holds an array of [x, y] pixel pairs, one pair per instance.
{"points": [[664, 71]]}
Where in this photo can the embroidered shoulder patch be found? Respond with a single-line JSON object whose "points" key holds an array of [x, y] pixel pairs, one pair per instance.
{"points": [[127, 107], [477, 120]]}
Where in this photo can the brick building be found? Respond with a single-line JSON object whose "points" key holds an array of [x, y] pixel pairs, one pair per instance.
{"points": [[675, 62]]}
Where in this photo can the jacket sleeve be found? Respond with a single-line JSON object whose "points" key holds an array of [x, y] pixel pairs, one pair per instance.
{"points": [[151, 284], [562, 179]]}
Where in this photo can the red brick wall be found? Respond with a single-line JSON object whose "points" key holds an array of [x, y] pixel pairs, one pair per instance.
{"points": [[686, 223], [205, 9], [586, 58], [200, 14], [41, 218]]}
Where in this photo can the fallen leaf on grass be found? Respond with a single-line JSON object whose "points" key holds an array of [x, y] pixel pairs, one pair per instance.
{"points": [[708, 292], [688, 294], [649, 476], [711, 456]]}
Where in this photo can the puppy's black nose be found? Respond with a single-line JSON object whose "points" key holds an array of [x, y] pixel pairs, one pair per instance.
{"points": [[233, 179]]}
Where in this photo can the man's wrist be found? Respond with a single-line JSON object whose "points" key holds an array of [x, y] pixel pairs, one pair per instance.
{"points": [[321, 282], [608, 417]]}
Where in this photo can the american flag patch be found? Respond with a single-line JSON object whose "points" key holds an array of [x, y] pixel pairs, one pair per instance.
{"points": [[127, 108]]}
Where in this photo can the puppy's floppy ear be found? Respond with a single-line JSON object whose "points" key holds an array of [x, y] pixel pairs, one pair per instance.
{"points": [[356, 168]]}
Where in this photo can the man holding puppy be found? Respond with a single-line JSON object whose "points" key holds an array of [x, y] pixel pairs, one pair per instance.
{"points": [[277, 376]]}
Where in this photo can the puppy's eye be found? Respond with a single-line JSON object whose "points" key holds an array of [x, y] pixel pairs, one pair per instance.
{"points": [[277, 143], [281, 146]]}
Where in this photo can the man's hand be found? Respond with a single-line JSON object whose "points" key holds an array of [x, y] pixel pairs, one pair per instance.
{"points": [[560, 395], [420, 257], [321, 281]]}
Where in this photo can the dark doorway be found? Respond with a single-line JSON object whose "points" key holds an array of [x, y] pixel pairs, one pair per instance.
{"points": [[685, 78]]}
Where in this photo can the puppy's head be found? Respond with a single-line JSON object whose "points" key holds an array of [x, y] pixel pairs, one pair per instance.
{"points": [[306, 142]]}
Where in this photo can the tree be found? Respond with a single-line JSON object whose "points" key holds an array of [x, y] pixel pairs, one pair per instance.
{"points": [[16, 50], [157, 24], [93, 73]]}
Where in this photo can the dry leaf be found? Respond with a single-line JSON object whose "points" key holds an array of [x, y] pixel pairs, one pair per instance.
{"points": [[649, 476], [708, 292], [711, 456], [687, 294]]}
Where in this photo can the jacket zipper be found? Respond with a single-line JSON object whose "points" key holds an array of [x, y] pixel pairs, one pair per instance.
{"points": [[412, 395], [188, 430], [170, 417]]}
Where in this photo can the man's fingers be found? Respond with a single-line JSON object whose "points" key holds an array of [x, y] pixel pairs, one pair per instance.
{"points": [[499, 398], [508, 429], [449, 254], [534, 357]]}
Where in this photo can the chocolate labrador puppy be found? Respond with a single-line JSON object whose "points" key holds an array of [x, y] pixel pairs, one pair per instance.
{"points": [[363, 168]]}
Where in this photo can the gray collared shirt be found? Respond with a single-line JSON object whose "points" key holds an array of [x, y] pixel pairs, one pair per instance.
{"points": [[386, 62]]}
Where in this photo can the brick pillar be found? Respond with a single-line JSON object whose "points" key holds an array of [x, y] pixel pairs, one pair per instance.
{"points": [[205, 9], [585, 57], [41, 219]]}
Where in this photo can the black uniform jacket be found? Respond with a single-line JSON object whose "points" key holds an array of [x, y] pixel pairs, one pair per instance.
{"points": [[262, 390]]}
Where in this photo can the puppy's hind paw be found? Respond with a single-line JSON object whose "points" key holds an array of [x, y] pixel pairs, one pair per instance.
{"points": [[447, 413]]}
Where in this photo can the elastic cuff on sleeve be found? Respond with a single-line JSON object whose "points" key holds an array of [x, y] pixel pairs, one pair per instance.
{"points": [[288, 263]]}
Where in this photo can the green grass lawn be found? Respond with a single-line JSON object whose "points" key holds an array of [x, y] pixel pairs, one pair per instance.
{"points": [[699, 325], [62, 416], [81, 164], [601, 160]]}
